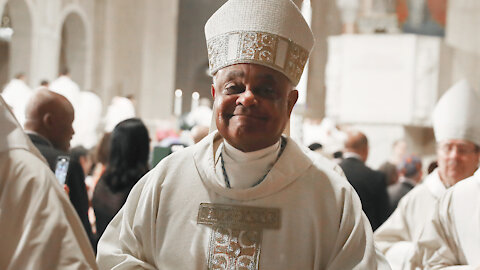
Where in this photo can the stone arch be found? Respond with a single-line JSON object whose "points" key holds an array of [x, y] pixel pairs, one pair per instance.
{"points": [[75, 45], [72, 53], [16, 52]]}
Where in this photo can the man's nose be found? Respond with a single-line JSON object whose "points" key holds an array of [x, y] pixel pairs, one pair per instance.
{"points": [[454, 153], [247, 98]]}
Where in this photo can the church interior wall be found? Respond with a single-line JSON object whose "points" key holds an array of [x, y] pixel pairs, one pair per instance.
{"points": [[21, 44], [325, 22], [73, 48], [159, 61], [192, 57]]}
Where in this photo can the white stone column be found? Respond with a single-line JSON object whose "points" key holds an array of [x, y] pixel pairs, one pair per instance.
{"points": [[325, 22], [159, 56]]}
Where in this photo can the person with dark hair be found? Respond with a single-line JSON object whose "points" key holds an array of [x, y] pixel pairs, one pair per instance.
{"points": [[44, 83], [128, 162], [65, 71], [432, 166], [410, 172]]}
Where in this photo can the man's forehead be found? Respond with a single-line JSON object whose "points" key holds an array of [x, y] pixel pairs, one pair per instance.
{"points": [[456, 142], [252, 70]]}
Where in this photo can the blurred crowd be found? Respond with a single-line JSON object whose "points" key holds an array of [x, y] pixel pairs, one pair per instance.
{"points": [[107, 155]]}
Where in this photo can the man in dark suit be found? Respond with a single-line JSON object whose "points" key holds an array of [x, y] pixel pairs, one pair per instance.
{"points": [[369, 184], [410, 171], [49, 118]]}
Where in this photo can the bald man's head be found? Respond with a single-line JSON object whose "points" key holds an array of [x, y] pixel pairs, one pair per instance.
{"points": [[51, 116], [357, 143]]}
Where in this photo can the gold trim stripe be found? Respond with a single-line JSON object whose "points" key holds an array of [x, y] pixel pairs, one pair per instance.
{"points": [[235, 216], [256, 47]]}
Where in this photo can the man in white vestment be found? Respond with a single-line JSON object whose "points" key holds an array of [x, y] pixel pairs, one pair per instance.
{"points": [[452, 239], [457, 131], [16, 95], [88, 118], [121, 108], [245, 197], [39, 228], [65, 86]]}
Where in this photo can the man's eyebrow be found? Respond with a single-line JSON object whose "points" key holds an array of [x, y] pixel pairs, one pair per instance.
{"points": [[265, 76], [235, 74]]}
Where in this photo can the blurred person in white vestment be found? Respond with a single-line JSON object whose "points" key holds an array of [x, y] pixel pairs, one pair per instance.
{"points": [[201, 115], [457, 131], [451, 240], [64, 85], [88, 117], [16, 95], [39, 228], [121, 108], [245, 197]]}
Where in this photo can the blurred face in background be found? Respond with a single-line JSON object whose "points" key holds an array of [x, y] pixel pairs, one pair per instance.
{"points": [[457, 160]]}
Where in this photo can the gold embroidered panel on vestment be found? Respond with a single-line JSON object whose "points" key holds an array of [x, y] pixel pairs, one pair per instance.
{"points": [[234, 216], [234, 249], [235, 242]]}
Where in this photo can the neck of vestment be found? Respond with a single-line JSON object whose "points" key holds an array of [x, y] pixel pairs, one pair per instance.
{"points": [[435, 184], [287, 168], [12, 134], [245, 169]]}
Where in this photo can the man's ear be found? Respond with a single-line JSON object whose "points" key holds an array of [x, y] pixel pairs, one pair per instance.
{"points": [[47, 120], [213, 91], [292, 100]]}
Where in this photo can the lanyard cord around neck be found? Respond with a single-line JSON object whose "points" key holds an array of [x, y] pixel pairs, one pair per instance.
{"points": [[225, 175]]}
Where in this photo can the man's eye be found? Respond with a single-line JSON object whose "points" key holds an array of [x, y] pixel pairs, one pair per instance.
{"points": [[266, 91], [233, 89]]}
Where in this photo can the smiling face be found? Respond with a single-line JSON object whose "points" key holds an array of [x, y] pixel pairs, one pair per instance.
{"points": [[252, 105]]}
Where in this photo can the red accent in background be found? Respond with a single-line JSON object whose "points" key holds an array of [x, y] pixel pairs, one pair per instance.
{"points": [[437, 9]]}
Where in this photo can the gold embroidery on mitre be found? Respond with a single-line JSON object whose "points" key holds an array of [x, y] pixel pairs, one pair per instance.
{"points": [[235, 242], [258, 48]]}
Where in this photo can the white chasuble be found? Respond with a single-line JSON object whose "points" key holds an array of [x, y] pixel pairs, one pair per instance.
{"points": [[396, 237], [303, 215], [39, 228], [452, 239]]}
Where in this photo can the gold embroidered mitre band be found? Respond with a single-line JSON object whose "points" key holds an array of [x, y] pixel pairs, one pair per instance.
{"points": [[272, 33]]}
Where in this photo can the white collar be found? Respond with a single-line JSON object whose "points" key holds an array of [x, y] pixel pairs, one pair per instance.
{"points": [[240, 156], [244, 170], [294, 161], [435, 184], [352, 155]]}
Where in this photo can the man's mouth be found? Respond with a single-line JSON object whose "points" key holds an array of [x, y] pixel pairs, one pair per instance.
{"points": [[248, 116]]}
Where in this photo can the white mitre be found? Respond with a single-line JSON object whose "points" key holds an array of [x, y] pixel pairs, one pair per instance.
{"points": [[457, 114], [272, 33]]}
